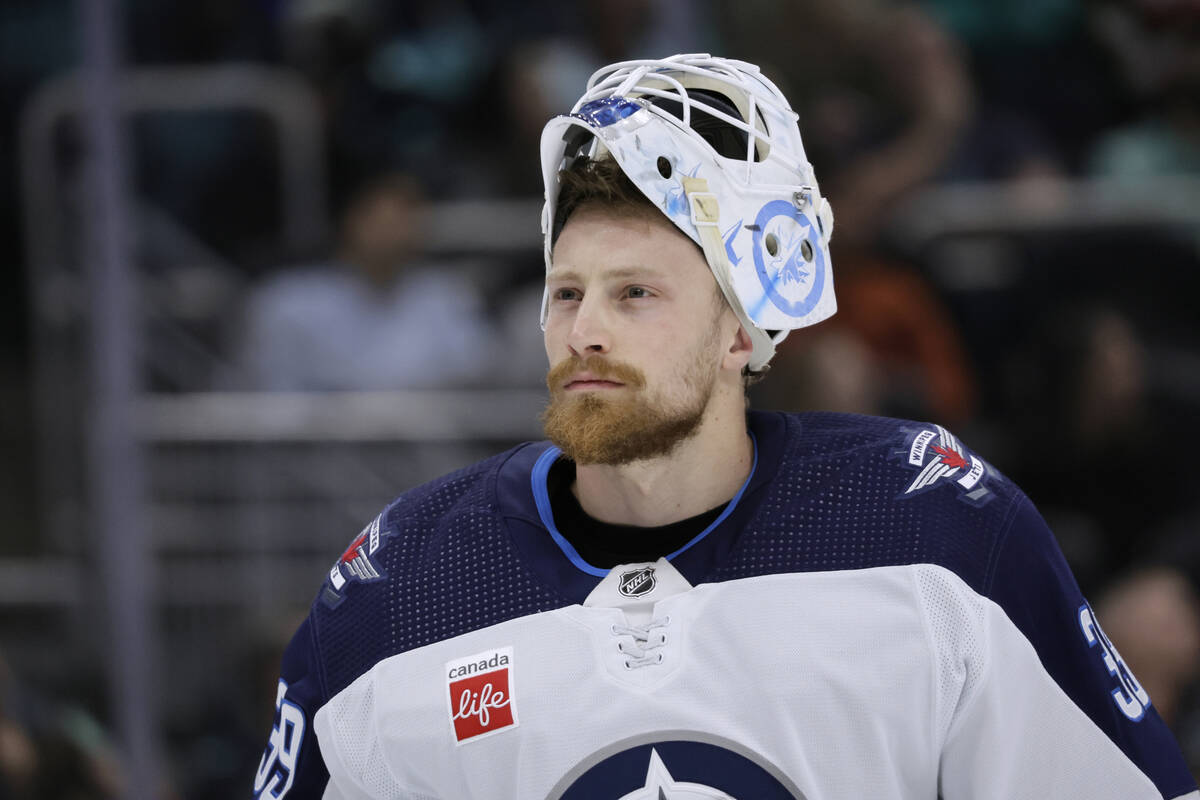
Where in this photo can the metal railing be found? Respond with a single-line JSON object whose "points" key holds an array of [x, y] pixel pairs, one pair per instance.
{"points": [[278, 95], [55, 278]]}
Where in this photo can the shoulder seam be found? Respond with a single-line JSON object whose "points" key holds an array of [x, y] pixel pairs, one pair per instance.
{"points": [[322, 678], [934, 677], [375, 730], [494, 476], [998, 543], [489, 475], [985, 624]]}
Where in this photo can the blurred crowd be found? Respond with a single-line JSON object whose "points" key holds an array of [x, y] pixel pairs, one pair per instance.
{"points": [[1073, 367]]}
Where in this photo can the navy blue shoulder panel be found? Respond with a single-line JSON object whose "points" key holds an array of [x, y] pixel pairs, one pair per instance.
{"points": [[437, 563], [854, 492], [1031, 581]]}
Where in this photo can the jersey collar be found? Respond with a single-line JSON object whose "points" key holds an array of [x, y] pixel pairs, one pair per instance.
{"points": [[541, 495], [522, 479]]}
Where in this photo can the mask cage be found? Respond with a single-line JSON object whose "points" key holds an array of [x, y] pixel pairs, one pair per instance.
{"points": [[651, 79]]}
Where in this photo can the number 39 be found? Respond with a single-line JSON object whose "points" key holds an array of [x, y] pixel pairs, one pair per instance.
{"points": [[1130, 697], [277, 769]]}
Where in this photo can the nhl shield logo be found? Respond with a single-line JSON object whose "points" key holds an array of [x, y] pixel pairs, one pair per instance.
{"points": [[637, 582]]}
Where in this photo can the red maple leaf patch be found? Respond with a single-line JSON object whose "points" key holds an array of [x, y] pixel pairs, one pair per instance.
{"points": [[352, 550], [950, 457]]}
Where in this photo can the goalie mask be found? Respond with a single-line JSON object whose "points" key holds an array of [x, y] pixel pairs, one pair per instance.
{"points": [[716, 147]]}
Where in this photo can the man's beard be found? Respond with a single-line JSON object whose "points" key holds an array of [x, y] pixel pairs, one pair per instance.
{"points": [[619, 426]]}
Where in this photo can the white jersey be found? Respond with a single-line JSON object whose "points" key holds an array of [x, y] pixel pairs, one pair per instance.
{"points": [[877, 614]]}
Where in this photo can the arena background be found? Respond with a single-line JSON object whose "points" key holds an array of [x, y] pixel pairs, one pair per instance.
{"points": [[268, 264]]}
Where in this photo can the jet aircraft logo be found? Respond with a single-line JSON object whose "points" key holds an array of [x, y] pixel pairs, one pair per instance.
{"points": [[357, 564], [788, 259], [940, 458], [790, 265]]}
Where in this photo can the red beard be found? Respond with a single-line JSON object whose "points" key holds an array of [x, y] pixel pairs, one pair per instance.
{"points": [[618, 426]]}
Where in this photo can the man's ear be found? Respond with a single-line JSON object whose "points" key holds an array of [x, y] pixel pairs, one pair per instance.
{"points": [[740, 349]]}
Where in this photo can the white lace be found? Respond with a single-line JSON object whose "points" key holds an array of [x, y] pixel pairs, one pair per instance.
{"points": [[641, 649]]}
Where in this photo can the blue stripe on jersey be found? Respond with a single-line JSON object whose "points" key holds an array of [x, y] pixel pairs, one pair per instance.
{"points": [[541, 495], [737, 498]]}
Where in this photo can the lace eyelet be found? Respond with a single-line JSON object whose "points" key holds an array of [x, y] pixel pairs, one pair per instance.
{"points": [[659, 658], [621, 646], [628, 665]]}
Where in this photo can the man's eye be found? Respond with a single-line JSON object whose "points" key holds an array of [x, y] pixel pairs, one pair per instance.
{"points": [[566, 294], [637, 291]]}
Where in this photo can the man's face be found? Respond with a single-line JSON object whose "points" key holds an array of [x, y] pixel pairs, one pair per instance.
{"points": [[633, 337], [382, 233]]}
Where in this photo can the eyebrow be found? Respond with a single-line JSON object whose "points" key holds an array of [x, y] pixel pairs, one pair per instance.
{"points": [[571, 276]]}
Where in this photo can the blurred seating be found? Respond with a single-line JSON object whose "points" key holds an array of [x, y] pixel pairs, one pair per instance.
{"points": [[378, 316]]}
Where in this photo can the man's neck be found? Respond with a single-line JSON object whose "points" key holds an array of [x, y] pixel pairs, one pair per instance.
{"points": [[703, 472]]}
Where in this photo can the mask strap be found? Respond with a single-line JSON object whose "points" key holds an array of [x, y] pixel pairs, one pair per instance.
{"points": [[706, 215]]}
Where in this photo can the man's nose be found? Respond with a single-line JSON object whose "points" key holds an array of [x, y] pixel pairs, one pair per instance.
{"points": [[590, 331]]}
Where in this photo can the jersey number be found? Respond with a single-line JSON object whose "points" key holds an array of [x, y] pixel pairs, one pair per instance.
{"points": [[277, 769], [1130, 697]]}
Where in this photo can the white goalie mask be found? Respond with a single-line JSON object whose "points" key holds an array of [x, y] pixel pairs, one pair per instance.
{"points": [[751, 202]]}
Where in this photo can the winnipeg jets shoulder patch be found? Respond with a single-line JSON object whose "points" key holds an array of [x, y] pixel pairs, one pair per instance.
{"points": [[357, 565], [936, 458]]}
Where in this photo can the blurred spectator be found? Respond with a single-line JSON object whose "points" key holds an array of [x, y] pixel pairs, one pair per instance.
{"points": [[923, 71], [541, 75], [52, 750], [1162, 146], [1089, 448], [19, 761], [1153, 618], [1179, 550], [1180, 540], [1157, 47], [861, 70], [827, 368], [377, 318], [891, 326], [217, 739], [883, 92], [1045, 86], [394, 80], [890, 323]]}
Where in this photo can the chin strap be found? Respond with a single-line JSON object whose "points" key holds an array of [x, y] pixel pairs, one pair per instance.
{"points": [[706, 215]]}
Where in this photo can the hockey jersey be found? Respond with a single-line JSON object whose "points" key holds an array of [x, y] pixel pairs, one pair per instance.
{"points": [[878, 613]]}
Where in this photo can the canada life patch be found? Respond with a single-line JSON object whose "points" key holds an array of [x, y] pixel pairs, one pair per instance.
{"points": [[938, 458], [479, 690], [357, 564]]}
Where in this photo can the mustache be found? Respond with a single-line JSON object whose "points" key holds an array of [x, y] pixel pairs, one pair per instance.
{"points": [[598, 366]]}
